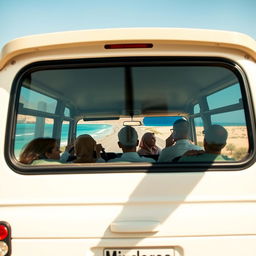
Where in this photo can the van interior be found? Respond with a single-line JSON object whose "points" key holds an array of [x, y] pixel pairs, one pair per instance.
{"points": [[63, 99]]}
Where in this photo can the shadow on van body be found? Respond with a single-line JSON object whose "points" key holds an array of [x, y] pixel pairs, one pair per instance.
{"points": [[154, 200]]}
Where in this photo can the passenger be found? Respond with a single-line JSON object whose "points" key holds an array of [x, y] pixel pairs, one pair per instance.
{"points": [[86, 150], [215, 138], [178, 142], [41, 151], [128, 142], [148, 145]]}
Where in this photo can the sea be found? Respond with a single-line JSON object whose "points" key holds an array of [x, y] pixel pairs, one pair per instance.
{"points": [[26, 132]]}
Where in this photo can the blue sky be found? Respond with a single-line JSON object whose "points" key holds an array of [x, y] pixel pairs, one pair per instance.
{"points": [[26, 17]]}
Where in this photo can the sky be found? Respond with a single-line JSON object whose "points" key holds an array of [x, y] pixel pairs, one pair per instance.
{"points": [[20, 18]]}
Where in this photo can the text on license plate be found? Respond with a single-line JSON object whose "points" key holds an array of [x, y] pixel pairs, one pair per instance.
{"points": [[139, 252]]}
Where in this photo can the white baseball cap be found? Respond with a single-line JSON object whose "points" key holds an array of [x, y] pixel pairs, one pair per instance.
{"points": [[128, 136]]}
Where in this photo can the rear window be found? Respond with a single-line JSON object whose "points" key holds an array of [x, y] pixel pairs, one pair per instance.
{"points": [[64, 100]]}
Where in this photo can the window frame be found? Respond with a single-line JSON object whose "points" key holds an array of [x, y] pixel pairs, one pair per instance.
{"points": [[128, 167]]}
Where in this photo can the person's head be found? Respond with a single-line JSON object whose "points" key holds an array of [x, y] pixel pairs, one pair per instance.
{"points": [[128, 139], [215, 138], [85, 149], [148, 140], [180, 129], [40, 148]]}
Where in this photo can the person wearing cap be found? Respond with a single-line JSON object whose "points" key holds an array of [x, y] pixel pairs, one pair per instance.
{"points": [[128, 142], [215, 138], [178, 142]]}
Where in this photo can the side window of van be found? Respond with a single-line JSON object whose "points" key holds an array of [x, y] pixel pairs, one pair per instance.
{"points": [[64, 134], [33, 100], [32, 120], [233, 118], [226, 109], [65, 100]]}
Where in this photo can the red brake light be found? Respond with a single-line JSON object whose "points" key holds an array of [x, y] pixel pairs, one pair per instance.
{"points": [[5, 239], [3, 232], [128, 46]]}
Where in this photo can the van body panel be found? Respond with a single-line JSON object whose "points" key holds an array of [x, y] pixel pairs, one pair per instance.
{"points": [[91, 37], [190, 245], [205, 211], [180, 199]]}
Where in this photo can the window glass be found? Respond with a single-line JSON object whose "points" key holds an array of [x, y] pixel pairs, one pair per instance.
{"points": [[106, 132], [225, 97], [98, 99], [29, 128], [160, 120], [25, 132], [237, 142], [48, 130], [67, 112], [96, 130], [170, 88], [64, 134], [33, 100], [199, 131], [100, 131], [86, 88], [196, 109]]}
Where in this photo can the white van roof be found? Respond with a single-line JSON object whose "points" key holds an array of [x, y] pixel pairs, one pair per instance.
{"points": [[232, 40]]}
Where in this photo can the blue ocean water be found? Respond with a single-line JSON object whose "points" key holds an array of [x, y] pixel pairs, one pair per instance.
{"points": [[26, 132]]}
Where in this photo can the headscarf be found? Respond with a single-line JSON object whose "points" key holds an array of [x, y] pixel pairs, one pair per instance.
{"points": [[85, 149], [145, 145]]}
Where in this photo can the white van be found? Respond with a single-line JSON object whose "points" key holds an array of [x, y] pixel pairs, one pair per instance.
{"points": [[95, 82]]}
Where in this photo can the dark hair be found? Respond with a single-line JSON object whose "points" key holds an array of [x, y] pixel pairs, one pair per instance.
{"points": [[36, 149], [179, 121], [214, 147]]}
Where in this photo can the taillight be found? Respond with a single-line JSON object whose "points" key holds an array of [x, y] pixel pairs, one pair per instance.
{"points": [[5, 239], [128, 46]]}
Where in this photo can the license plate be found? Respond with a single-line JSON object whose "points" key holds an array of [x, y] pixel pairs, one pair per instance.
{"points": [[139, 252]]}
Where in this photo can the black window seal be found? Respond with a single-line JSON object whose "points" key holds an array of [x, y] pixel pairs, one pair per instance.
{"points": [[134, 167]]}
